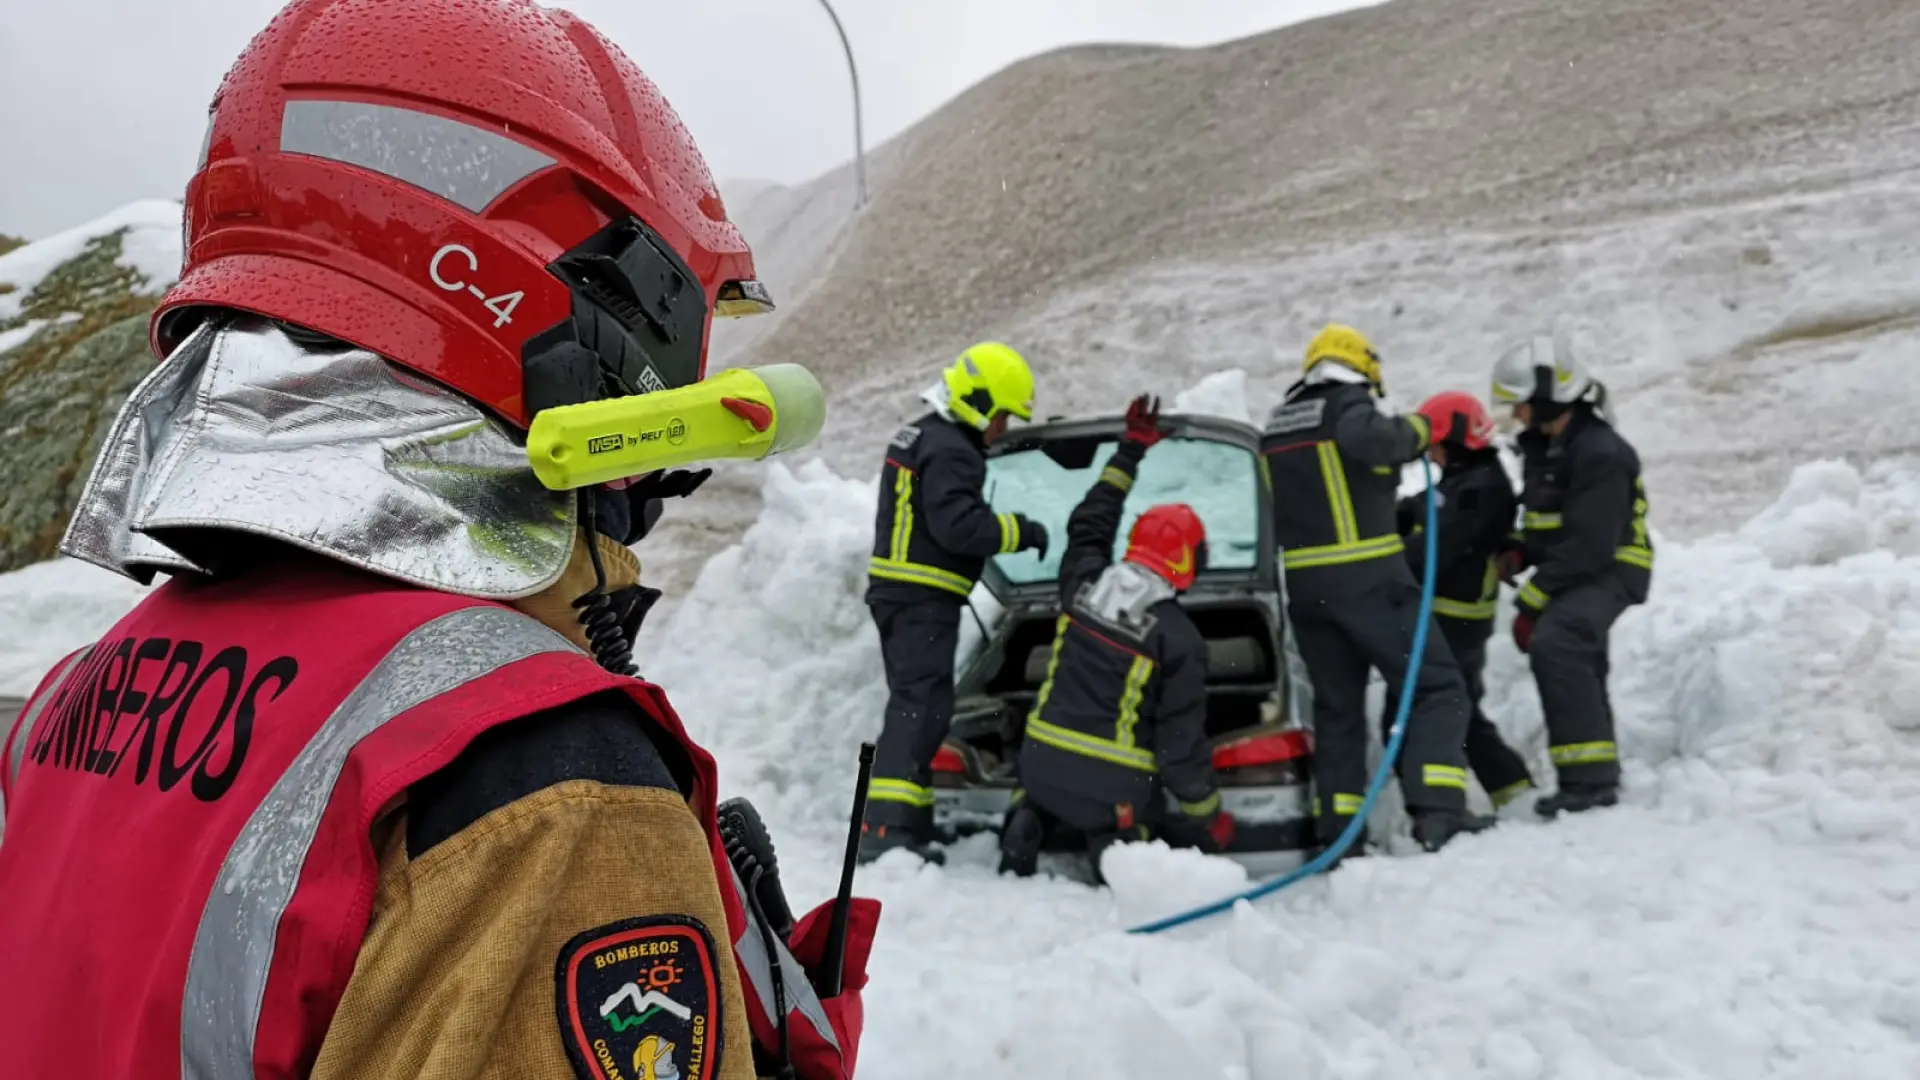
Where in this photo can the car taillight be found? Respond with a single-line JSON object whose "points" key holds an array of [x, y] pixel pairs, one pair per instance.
{"points": [[948, 760], [1277, 757]]}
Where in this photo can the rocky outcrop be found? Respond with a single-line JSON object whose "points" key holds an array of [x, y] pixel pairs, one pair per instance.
{"points": [[68, 358]]}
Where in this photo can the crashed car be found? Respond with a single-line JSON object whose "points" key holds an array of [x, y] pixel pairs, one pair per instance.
{"points": [[1258, 696]]}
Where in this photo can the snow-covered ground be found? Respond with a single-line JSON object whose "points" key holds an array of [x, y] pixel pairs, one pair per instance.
{"points": [[1753, 910]]}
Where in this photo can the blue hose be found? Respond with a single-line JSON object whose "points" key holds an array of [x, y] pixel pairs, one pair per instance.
{"points": [[1392, 754]]}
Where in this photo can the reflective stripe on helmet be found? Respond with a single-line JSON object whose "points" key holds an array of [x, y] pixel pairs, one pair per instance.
{"points": [[463, 164], [233, 948]]}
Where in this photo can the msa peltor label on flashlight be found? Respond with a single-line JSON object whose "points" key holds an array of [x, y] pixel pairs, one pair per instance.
{"points": [[605, 444]]}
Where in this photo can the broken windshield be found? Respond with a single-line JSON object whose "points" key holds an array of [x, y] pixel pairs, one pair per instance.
{"points": [[1219, 480]]}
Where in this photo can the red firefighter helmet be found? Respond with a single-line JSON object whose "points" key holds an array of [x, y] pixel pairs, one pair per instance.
{"points": [[491, 194], [1442, 409], [1170, 541]]}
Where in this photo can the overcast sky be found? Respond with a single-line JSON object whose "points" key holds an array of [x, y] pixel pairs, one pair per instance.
{"points": [[105, 100]]}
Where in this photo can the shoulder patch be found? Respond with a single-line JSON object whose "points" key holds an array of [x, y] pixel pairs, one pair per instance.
{"points": [[906, 437], [1296, 416], [639, 999]]}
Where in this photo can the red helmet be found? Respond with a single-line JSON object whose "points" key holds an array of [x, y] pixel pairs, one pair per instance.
{"points": [[1442, 410], [1170, 541], [491, 194]]}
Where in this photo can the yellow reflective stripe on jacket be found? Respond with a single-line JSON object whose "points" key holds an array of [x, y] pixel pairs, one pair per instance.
{"points": [[919, 574], [1009, 532], [1206, 807], [1539, 520], [1634, 555], [1117, 477], [1075, 742], [1424, 426], [1463, 609], [1053, 664], [1334, 554], [1532, 597], [1136, 686], [881, 789], [1339, 499], [1345, 803], [1584, 753], [902, 515]]}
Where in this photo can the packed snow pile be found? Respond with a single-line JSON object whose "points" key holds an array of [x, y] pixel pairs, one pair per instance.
{"points": [[1752, 910]]}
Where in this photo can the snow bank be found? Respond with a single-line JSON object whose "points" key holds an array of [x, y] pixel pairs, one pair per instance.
{"points": [[49, 609], [1749, 913], [151, 248], [1752, 911]]}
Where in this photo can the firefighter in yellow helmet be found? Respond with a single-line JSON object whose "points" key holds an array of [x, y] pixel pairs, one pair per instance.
{"points": [[933, 533], [1334, 459]]}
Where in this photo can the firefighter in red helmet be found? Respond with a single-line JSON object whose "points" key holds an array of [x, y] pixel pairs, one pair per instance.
{"points": [[1475, 507], [379, 790], [1119, 730]]}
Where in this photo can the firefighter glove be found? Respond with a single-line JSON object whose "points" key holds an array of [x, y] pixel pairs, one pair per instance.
{"points": [[1523, 630], [1033, 536], [1143, 421]]}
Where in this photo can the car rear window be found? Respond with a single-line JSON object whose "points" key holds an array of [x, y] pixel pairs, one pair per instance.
{"points": [[1219, 480]]}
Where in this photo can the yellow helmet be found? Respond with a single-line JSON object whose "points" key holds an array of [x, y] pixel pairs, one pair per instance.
{"points": [[1347, 347], [987, 380]]}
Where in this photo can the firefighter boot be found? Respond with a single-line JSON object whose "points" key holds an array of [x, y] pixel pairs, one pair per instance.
{"points": [[1577, 798], [1434, 828], [1020, 840], [877, 840]]}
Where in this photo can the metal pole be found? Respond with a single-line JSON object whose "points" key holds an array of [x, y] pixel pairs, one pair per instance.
{"points": [[859, 138]]}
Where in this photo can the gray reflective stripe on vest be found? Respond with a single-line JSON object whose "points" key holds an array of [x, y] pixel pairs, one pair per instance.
{"points": [[23, 724], [750, 948], [233, 947]]}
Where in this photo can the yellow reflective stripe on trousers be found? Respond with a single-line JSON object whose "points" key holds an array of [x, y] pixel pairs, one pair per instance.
{"points": [[918, 574], [1462, 609], [1532, 597], [1009, 532], [1117, 477], [1335, 554], [1339, 500], [1075, 742], [1136, 687], [1634, 555], [1345, 803], [1206, 807], [1540, 520], [881, 789], [1451, 776], [1584, 753], [902, 515], [1509, 793]]}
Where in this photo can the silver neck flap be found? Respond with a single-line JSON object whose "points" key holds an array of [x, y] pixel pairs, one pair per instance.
{"points": [[338, 452]]}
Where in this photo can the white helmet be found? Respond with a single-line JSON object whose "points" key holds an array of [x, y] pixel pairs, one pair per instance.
{"points": [[1541, 368]]}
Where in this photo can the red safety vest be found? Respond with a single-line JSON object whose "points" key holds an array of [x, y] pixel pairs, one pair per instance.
{"points": [[186, 874]]}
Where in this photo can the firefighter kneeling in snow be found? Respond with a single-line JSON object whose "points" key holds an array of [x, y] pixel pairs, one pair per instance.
{"points": [[348, 796], [933, 533], [1122, 714], [1584, 530], [1474, 505], [1334, 460]]}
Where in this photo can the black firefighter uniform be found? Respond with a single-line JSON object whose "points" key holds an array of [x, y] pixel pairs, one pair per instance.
{"points": [[1584, 526], [933, 533], [1334, 460]]}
